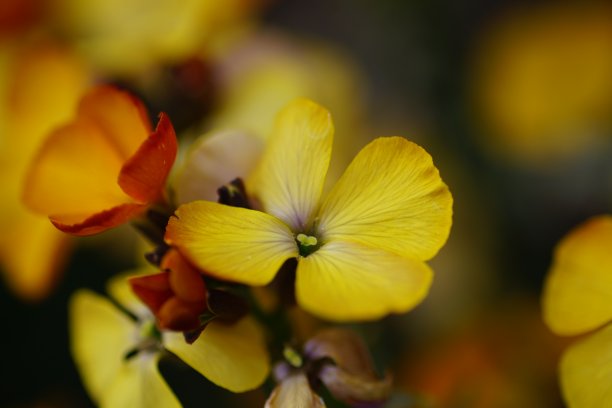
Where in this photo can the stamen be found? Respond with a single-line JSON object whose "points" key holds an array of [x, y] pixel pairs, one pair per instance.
{"points": [[307, 244], [306, 240], [292, 357], [234, 194]]}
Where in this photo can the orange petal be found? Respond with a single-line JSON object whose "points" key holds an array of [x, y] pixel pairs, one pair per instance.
{"points": [[153, 290], [99, 222], [178, 315], [144, 175], [121, 116], [185, 281], [74, 173]]}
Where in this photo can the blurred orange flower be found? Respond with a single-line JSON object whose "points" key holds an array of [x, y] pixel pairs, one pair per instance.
{"points": [[103, 168], [502, 359], [31, 105]]}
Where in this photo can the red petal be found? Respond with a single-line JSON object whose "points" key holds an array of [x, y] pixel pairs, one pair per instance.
{"points": [[153, 290], [98, 222], [178, 315], [186, 282], [144, 175]]}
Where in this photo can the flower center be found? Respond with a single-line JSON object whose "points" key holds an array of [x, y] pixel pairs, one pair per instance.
{"points": [[307, 244], [149, 339]]}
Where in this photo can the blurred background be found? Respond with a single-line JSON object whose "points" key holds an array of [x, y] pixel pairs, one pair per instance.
{"points": [[513, 100]]}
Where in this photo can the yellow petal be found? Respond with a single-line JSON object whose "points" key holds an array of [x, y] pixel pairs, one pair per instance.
{"points": [[231, 243], [75, 172], [586, 371], [100, 336], [291, 175], [214, 161], [294, 391], [347, 281], [121, 116], [32, 254], [138, 384], [578, 291], [390, 197], [232, 356], [118, 288]]}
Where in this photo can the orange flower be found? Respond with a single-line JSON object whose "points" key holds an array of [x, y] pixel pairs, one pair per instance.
{"points": [[177, 295], [103, 168], [32, 251]]}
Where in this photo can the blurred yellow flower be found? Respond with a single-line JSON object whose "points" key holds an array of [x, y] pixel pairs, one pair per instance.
{"points": [[31, 105], [542, 82], [577, 299], [117, 356], [261, 74], [127, 37], [361, 251], [258, 76]]}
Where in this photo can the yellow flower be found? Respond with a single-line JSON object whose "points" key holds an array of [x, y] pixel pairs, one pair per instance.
{"points": [[263, 73], [117, 356], [578, 299], [542, 81], [128, 36], [258, 77], [360, 251]]}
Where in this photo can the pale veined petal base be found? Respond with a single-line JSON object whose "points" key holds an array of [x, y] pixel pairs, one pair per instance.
{"points": [[291, 174], [294, 391], [138, 384], [348, 281], [100, 335]]}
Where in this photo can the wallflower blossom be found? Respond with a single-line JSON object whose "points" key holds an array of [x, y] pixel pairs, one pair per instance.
{"points": [[125, 38], [117, 357], [32, 251], [577, 299], [103, 168], [257, 77], [361, 251], [337, 358]]}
